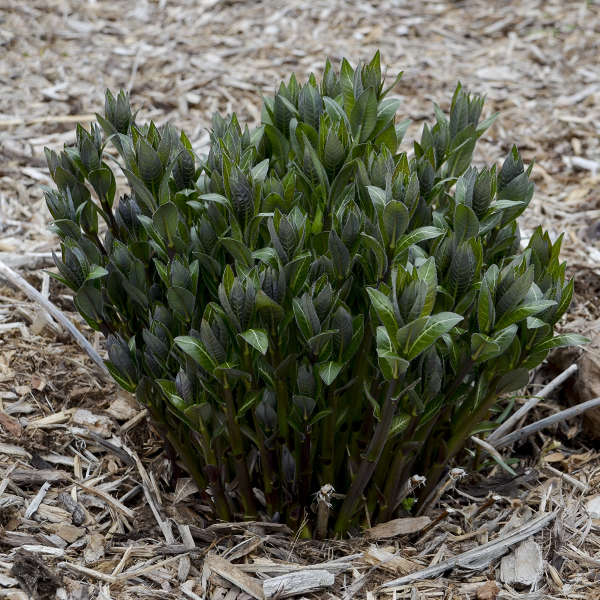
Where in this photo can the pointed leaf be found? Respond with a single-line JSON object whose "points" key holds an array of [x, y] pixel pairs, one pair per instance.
{"points": [[329, 371], [257, 338], [436, 326], [196, 350]]}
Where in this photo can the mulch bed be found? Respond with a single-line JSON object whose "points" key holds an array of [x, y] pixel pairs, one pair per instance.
{"points": [[91, 504]]}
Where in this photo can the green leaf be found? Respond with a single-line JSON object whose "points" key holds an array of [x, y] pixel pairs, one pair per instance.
{"points": [[238, 250], [466, 223], [516, 292], [165, 219], [216, 198], [149, 163], [483, 347], [384, 309], [565, 301], [486, 312], [427, 273], [339, 254], [377, 196], [560, 341], [363, 117], [257, 338], [418, 235], [140, 189], [318, 167], [194, 348], [181, 301], [333, 152], [522, 312], [435, 327], [386, 111], [512, 381], [104, 184], [90, 304], [392, 365], [96, 273], [317, 342], [259, 171], [401, 129], [380, 256], [302, 319], [268, 305], [170, 391], [395, 221], [329, 371], [127, 384]]}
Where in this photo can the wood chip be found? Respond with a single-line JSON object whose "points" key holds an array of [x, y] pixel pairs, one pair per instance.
{"points": [[231, 573], [488, 591], [524, 566], [11, 425], [294, 584], [94, 549], [35, 503], [390, 561], [593, 507], [69, 532], [402, 526]]}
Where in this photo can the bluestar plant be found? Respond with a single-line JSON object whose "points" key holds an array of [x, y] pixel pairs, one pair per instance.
{"points": [[308, 304]]}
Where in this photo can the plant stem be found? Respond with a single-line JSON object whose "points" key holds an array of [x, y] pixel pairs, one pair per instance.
{"points": [[369, 461], [456, 442], [237, 445], [282, 398], [306, 467], [269, 476], [327, 444], [395, 479]]}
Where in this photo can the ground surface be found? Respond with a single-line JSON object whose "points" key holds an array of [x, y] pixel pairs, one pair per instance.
{"points": [[87, 497]]}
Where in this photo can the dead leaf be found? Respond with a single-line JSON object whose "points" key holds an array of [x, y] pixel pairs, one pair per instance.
{"points": [[402, 526], [229, 571]]}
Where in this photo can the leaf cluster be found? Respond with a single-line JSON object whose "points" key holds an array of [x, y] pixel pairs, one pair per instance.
{"points": [[308, 304]]}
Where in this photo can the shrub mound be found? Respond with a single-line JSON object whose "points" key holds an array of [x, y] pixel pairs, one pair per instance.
{"points": [[308, 306]]}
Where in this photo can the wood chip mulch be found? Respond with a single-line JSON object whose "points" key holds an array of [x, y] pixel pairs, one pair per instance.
{"points": [[91, 504]]}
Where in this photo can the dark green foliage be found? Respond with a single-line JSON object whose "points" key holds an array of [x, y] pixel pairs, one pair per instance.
{"points": [[308, 305]]}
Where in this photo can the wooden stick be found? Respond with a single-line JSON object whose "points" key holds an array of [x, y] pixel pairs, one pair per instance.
{"points": [[252, 586], [299, 582], [33, 294], [563, 415], [574, 482], [89, 572], [545, 391], [480, 555]]}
